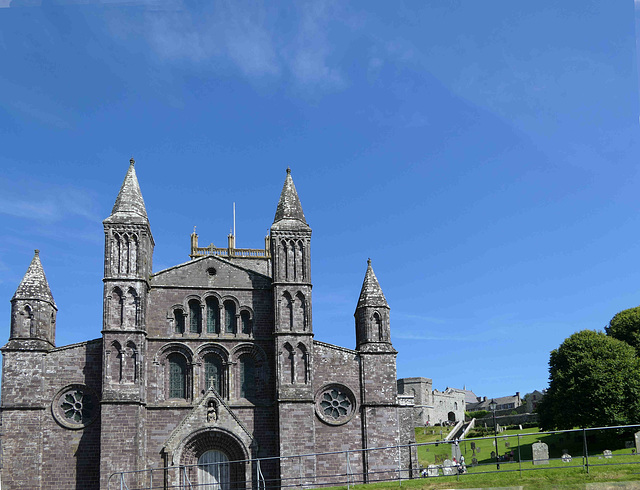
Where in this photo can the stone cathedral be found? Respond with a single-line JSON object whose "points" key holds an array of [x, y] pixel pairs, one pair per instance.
{"points": [[208, 366]]}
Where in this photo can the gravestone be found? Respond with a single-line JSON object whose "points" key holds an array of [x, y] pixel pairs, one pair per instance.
{"points": [[493, 455], [540, 453], [607, 454], [473, 445], [566, 458], [520, 425], [637, 438], [432, 470], [455, 452], [478, 450], [448, 468], [506, 444], [474, 462]]}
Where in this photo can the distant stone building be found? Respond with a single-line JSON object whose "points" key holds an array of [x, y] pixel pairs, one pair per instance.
{"points": [[432, 406], [532, 399], [209, 362], [510, 402]]}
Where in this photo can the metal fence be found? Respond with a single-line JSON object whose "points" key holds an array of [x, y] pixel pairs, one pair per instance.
{"points": [[502, 452]]}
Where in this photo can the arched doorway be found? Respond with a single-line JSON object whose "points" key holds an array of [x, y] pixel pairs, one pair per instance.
{"points": [[451, 417], [214, 459], [213, 470]]}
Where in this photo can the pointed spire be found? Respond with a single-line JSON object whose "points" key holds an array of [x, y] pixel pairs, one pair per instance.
{"points": [[289, 206], [371, 293], [129, 201], [34, 284]]}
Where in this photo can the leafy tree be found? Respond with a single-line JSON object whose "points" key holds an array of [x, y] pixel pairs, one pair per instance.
{"points": [[594, 381], [625, 326]]}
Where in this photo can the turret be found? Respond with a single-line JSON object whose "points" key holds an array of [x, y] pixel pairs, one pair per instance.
{"points": [[33, 310], [372, 316], [127, 258]]}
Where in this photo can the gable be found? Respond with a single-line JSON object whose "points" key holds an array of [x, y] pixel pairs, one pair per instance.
{"points": [[214, 272]]}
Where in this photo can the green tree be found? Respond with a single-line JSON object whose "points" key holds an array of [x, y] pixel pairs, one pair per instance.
{"points": [[625, 326], [594, 380]]}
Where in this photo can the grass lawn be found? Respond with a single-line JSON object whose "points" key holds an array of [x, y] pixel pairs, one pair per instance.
{"points": [[517, 446]]}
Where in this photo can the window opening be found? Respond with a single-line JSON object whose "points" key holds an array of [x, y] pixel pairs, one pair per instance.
{"points": [[177, 376]]}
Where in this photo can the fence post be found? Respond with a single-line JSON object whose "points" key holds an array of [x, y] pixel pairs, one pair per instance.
{"points": [[585, 449], [519, 457], [300, 467], [348, 467]]}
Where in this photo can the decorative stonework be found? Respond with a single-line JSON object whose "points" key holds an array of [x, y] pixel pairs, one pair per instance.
{"points": [[75, 406], [335, 404]]}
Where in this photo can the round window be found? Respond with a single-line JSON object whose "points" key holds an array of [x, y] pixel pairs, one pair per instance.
{"points": [[335, 404], [75, 406]]}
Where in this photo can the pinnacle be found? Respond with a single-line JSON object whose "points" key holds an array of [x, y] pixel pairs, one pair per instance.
{"points": [[289, 206], [129, 200], [371, 293], [34, 284]]}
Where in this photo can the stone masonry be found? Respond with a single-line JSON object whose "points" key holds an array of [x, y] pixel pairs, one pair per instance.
{"points": [[211, 360]]}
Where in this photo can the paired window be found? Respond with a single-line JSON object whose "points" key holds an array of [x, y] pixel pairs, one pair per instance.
{"points": [[213, 372]]}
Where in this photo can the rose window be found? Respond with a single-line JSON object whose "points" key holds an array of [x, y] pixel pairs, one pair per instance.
{"points": [[75, 406], [335, 404]]}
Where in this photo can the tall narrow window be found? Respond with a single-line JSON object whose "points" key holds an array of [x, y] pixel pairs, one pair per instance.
{"points": [[246, 322], [229, 317], [213, 316], [177, 376], [378, 326], [178, 315], [195, 316], [247, 377], [213, 471], [213, 372]]}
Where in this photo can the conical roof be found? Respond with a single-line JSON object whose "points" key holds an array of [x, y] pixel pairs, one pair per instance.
{"points": [[371, 293], [289, 206], [129, 201], [34, 284]]}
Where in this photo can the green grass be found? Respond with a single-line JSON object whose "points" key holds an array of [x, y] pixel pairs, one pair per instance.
{"points": [[623, 466]]}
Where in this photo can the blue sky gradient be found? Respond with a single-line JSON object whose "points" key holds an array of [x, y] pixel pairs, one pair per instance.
{"points": [[483, 154]]}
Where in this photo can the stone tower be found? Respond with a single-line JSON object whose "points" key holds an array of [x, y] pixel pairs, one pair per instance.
{"points": [[128, 253], [291, 273], [378, 388], [33, 310]]}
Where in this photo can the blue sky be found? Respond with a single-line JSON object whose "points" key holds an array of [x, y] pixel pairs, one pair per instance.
{"points": [[483, 154]]}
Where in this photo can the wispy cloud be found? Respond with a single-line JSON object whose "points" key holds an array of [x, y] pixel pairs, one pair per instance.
{"points": [[251, 36], [46, 203]]}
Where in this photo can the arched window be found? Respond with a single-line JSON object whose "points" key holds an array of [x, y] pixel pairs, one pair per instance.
{"points": [[195, 316], [288, 311], [229, 317], [301, 364], [247, 377], [213, 315], [177, 376], [117, 308], [213, 372], [288, 361], [116, 362], [301, 311], [245, 319], [178, 315], [213, 471], [378, 326]]}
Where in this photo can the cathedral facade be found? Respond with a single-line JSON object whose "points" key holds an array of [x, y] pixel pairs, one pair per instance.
{"points": [[208, 366]]}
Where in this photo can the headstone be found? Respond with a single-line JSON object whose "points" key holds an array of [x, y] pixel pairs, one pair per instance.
{"points": [[478, 450], [637, 438], [432, 470], [540, 453], [506, 444], [455, 452], [520, 425], [448, 468], [493, 455], [474, 462], [566, 458], [607, 454], [473, 444]]}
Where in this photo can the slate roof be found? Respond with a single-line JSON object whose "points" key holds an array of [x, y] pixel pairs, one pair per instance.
{"points": [[371, 293], [289, 207], [34, 284], [129, 201]]}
